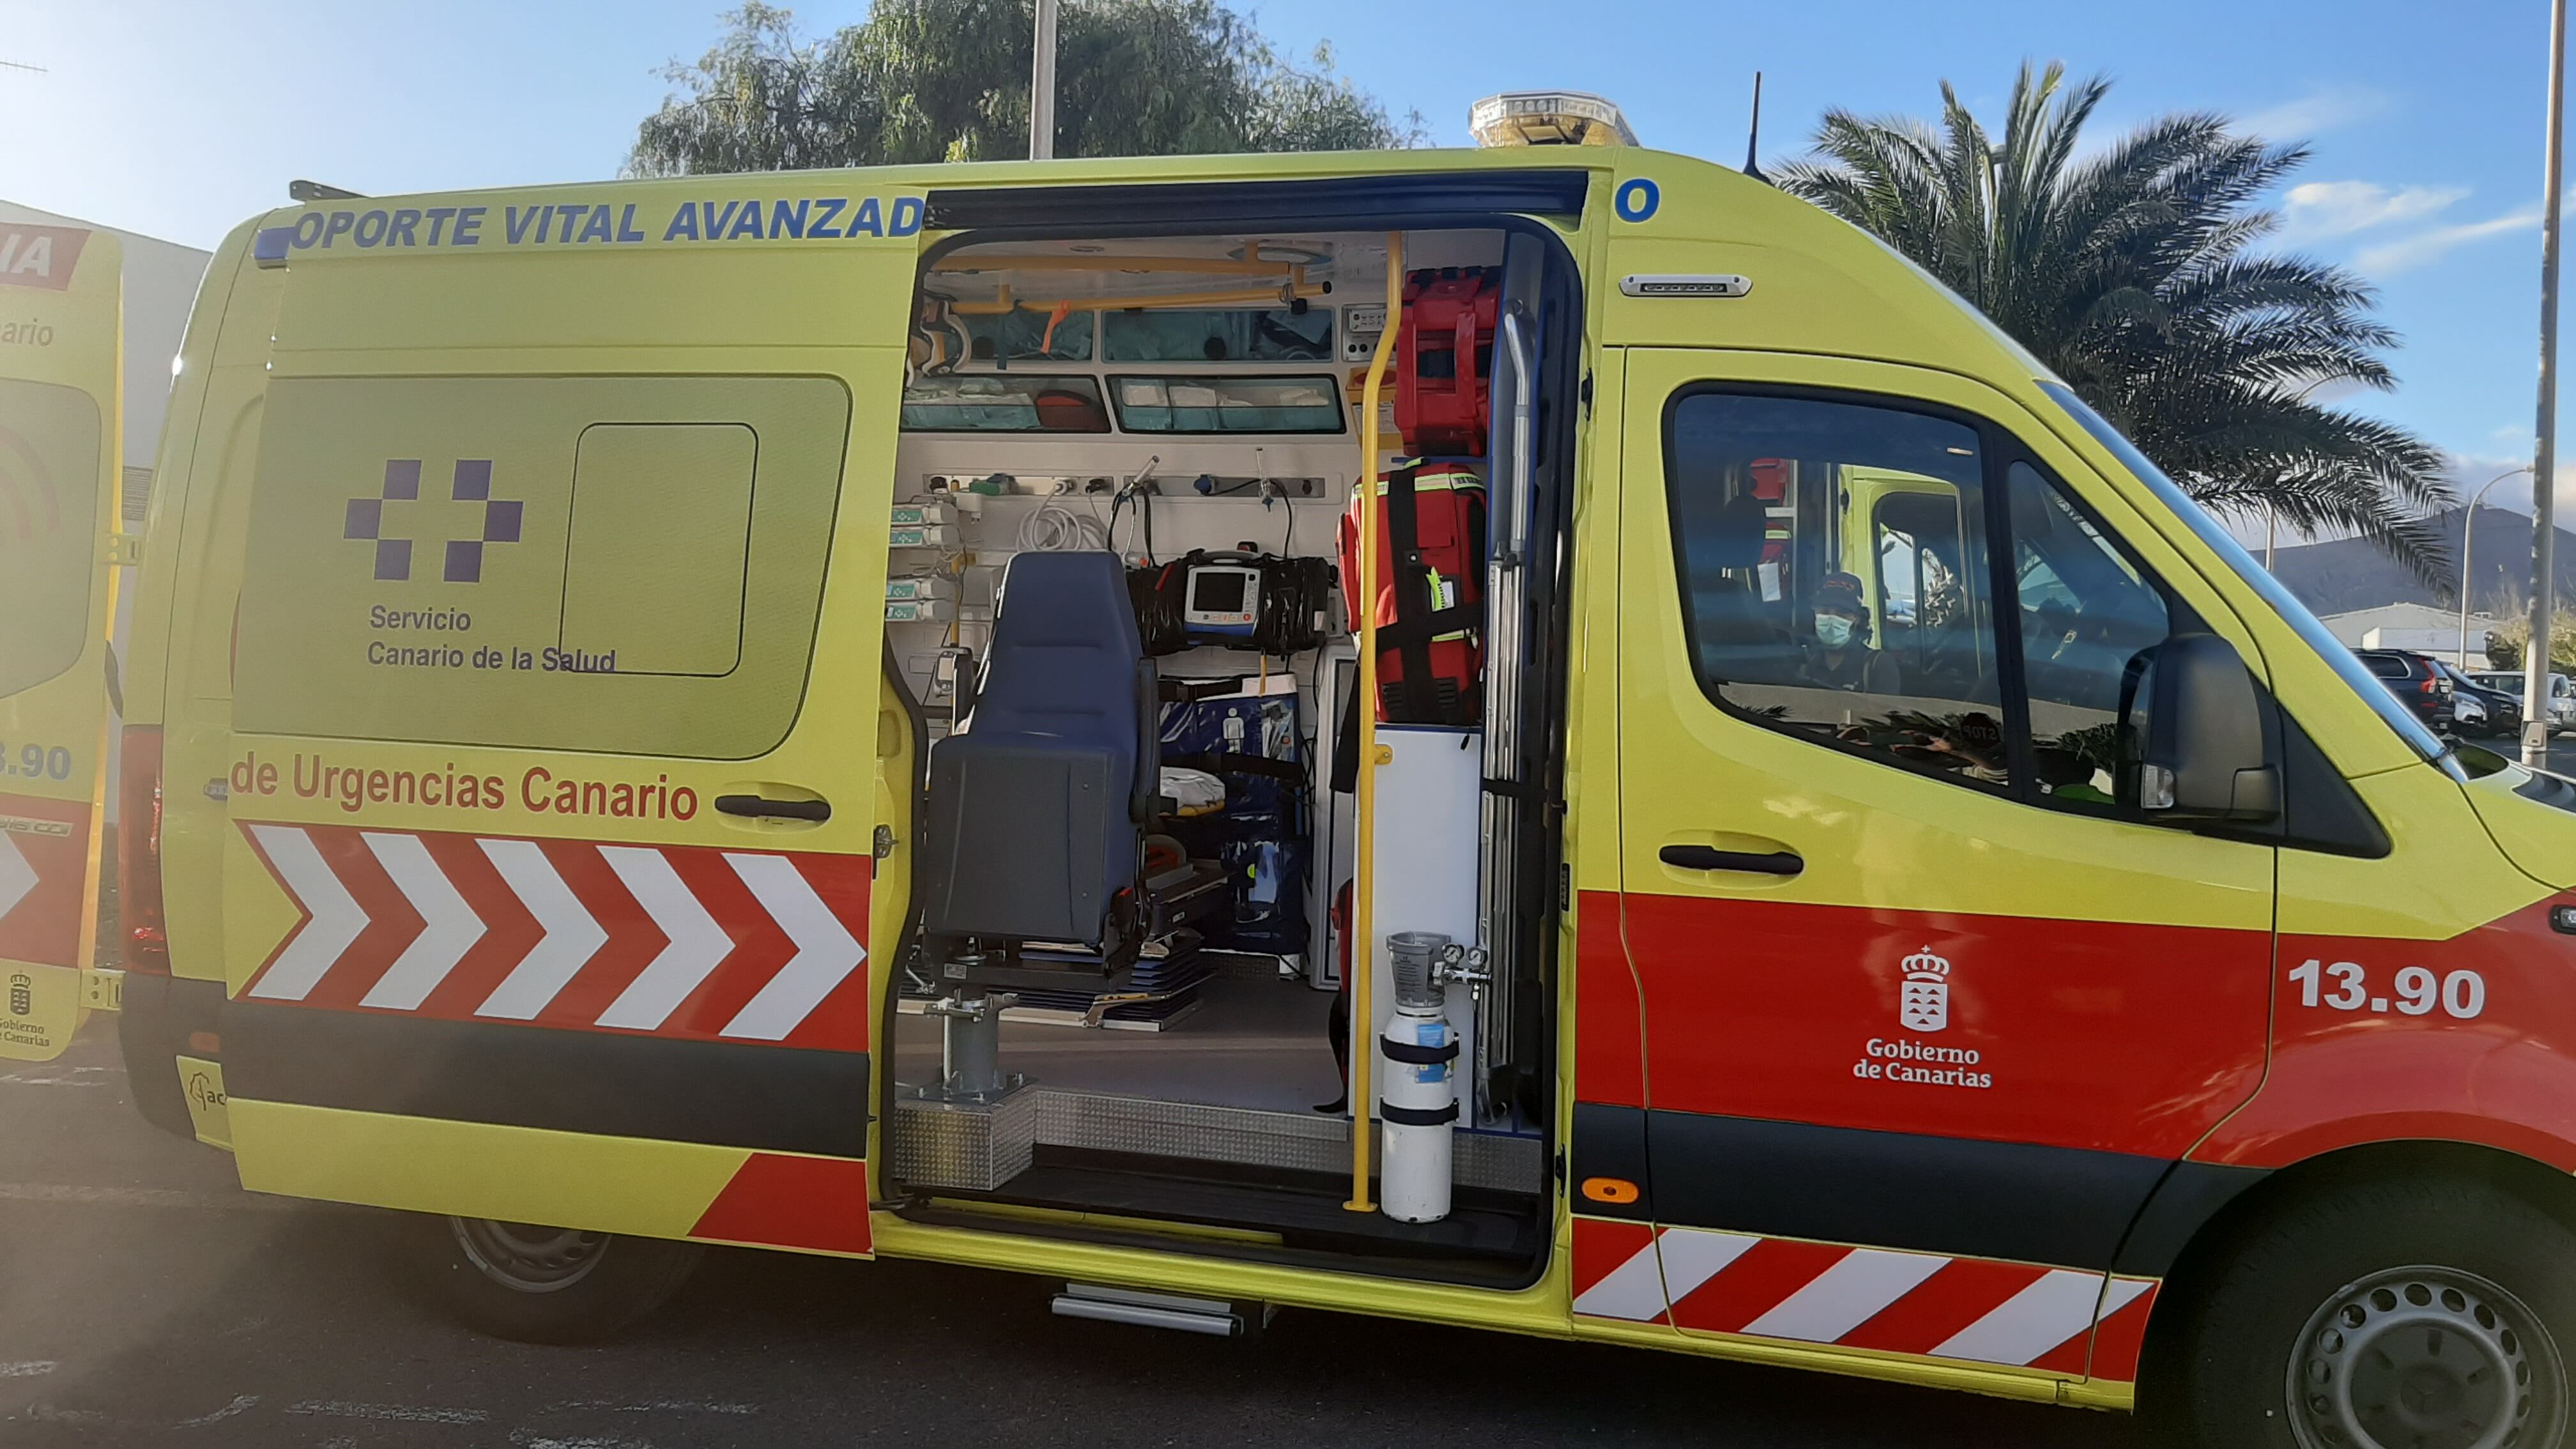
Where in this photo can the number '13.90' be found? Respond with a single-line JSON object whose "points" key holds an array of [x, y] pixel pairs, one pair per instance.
{"points": [[35, 762], [2345, 986]]}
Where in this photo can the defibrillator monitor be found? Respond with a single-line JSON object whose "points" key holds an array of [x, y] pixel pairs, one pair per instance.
{"points": [[1222, 599]]}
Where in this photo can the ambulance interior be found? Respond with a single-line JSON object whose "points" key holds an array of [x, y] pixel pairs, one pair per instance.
{"points": [[1117, 610]]}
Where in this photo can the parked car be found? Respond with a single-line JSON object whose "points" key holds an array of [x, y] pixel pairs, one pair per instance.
{"points": [[2414, 679], [2498, 711], [2562, 694]]}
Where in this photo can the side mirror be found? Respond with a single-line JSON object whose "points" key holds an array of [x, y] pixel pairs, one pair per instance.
{"points": [[2197, 724]]}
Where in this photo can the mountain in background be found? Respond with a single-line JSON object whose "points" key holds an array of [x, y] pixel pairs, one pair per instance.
{"points": [[2343, 574]]}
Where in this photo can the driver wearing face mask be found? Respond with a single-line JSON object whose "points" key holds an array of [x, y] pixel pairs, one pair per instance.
{"points": [[1840, 657]]}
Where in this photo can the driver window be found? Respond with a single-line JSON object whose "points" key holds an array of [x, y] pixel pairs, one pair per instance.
{"points": [[1835, 577], [2088, 619]]}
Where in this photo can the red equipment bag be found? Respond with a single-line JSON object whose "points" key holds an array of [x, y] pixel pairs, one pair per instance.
{"points": [[1430, 605], [1444, 359]]}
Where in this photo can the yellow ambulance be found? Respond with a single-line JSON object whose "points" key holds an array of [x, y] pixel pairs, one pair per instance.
{"points": [[61, 355], [950, 712]]}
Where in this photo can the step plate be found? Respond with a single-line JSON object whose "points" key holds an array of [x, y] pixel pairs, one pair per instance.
{"points": [[934, 1145], [1300, 1141]]}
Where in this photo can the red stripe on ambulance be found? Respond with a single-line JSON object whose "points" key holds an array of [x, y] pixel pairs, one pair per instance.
{"points": [[44, 863], [777, 1200], [1615, 1273], [683, 941], [1925, 1304]]}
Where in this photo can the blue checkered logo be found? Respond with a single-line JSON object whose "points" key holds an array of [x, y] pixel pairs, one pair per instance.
{"points": [[463, 559]]}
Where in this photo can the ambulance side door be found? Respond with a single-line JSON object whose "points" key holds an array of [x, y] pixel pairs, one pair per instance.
{"points": [[555, 780], [60, 453], [1930, 1008]]}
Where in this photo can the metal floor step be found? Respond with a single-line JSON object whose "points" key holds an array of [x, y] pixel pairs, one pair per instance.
{"points": [[1212, 1316], [938, 1146], [1304, 1211], [1300, 1141]]}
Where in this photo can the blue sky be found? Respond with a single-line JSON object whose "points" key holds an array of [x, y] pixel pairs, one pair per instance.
{"points": [[178, 119]]}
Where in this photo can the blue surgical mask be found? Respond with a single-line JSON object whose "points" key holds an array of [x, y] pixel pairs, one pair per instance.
{"points": [[1833, 630]]}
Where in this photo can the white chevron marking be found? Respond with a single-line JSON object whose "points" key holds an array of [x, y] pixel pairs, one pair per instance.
{"points": [[17, 877], [334, 918], [1847, 1295], [826, 952], [1633, 1291], [697, 944], [572, 936], [449, 927], [2056, 1306]]}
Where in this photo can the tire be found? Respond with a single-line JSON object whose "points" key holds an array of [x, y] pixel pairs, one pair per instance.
{"points": [[535, 1284], [2437, 1314], [152, 1081]]}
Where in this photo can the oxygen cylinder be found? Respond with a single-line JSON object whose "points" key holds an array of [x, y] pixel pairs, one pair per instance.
{"points": [[1419, 1104]]}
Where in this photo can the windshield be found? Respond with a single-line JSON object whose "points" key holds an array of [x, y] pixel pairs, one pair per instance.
{"points": [[2332, 650]]}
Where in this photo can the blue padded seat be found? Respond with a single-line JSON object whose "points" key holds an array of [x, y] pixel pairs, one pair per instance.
{"points": [[1036, 801]]}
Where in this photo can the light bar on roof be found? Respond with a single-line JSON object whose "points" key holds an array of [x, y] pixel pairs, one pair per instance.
{"points": [[1548, 118]]}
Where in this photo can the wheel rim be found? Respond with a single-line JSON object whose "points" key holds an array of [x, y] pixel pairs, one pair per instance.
{"points": [[2426, 1358], [526, 1257]]}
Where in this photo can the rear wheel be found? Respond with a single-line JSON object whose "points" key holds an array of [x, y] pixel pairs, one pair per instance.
{"points": [[2424, 1315], [537, 1284]]}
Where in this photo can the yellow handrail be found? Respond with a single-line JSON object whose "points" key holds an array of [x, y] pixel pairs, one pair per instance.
{"points": [[1363, 967]]}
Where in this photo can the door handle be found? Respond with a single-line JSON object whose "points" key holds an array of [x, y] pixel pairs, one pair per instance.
{"points": [[1709, 857], [761, 807]]}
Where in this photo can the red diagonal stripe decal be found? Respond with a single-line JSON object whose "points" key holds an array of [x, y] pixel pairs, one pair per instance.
{"points": [[1754, 1284], [632, 942], [845, 1019], [792, 1202], [2114, 1346], [391, 922], [1601, 1245], [1950, 1300], [510, 933], [356, 920], [759, 946]]}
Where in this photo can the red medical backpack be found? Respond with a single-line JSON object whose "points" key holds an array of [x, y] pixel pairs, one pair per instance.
{"points": [[1429, 608], [1444, 360]]}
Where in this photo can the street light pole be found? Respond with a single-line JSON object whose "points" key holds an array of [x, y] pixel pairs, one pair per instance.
{"points": [[2544, 462], [2468, 546], [1042, 87]]}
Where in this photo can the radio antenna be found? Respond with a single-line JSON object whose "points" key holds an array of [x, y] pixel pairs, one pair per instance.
{"points": [[1753, 142]]}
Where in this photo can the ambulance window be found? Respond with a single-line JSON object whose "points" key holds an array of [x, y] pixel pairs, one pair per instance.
{"points": [[1834, 576], [999, 403], [1194, 403], [49, 437], [2088, 618]]}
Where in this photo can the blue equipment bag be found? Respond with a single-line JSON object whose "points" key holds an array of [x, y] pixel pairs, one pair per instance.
{"points": [[1253, 744]]}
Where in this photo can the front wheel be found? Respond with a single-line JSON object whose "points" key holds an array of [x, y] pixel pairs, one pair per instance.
{"points": [[532, 1283], [2420, 1315]]}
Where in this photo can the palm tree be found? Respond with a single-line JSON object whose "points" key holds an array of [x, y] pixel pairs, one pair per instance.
{"points": [[2128, 273]]}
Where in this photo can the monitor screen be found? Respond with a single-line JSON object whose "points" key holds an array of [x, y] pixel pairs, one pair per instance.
{"points": [[1218, 591]]}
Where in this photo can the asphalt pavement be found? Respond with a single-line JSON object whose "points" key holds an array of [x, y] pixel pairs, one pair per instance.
{"points": [[145, 1299]]}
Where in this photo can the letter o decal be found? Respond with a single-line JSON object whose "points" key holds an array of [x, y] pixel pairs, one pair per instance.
{"points": [[318, 221], [1636, 199]]}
